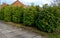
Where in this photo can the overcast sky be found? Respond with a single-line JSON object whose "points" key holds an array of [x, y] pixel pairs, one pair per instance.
{"points": [[28, 2]]}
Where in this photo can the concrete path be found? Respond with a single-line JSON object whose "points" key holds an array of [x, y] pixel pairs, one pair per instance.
{"points": [[7, 31]]}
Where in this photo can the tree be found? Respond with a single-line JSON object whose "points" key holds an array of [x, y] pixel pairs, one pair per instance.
{"points": [[55, 2]]}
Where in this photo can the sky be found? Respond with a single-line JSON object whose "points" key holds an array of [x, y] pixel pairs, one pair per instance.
{"points": [[28, 2]]}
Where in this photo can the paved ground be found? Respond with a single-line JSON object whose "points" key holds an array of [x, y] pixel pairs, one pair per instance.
{"points": [[7, 31]]}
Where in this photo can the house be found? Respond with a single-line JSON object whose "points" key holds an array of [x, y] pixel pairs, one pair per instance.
{"points": [[4, 4], [0, 6], [18, 3]]}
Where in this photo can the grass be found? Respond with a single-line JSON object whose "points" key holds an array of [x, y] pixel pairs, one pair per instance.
{"points": [[46, 35]]}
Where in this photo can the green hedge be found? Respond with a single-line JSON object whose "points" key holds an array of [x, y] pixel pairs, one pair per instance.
{"points": [[1, 13], [7, 13], [28, 17], [46, 18], [18, 15], [47, 21]]}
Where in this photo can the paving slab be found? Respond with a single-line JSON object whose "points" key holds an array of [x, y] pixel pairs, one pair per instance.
{"points": [[7, 31]]}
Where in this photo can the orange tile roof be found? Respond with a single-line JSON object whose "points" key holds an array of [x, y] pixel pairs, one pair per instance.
{"points": [[18, 3]]}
